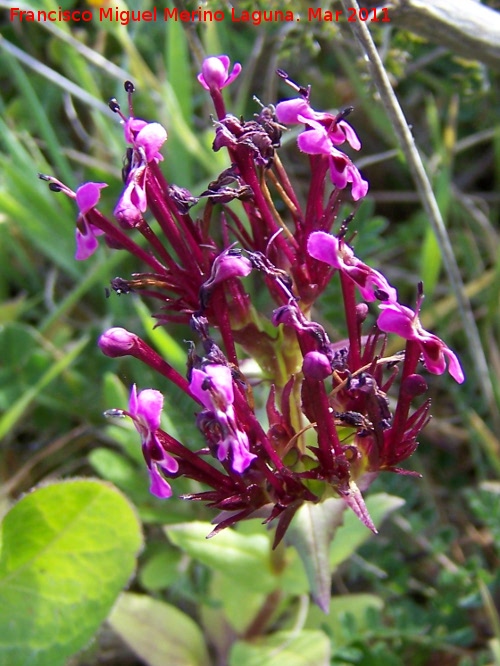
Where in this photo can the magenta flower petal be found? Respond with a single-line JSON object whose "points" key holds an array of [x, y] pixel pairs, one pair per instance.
{"points": [[339, 174], [324, 247], [350, 135], [359, 185], [213, 386], [86, 244], [371, 284], [133, 201], [146, 408], [151, 138], [159, 486], [396, 318], [239, 445], [87, 196], [454, 367], [289, 110], [132, 127], [227, 265], [314, 142]]}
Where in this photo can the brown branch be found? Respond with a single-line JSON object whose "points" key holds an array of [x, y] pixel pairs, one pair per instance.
{"points": [[467, 28]]}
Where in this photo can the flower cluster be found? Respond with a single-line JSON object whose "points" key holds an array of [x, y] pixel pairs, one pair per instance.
{"points": [[317, 420]]}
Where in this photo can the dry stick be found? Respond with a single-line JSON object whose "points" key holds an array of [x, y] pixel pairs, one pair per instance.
{"points": [[410, 151], [467, 28]]}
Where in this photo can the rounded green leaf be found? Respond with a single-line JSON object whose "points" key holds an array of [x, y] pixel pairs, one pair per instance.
{"points": [[68, 550]]}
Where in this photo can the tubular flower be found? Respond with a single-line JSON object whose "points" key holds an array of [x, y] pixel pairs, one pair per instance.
{"points": [[337, 253], [324, 132], [146, 137], [214, 73], [133, 201], [317, 141], [87, 197], [213, 387], [298, 110], [146, 140], [145, 410], [396, 318]]}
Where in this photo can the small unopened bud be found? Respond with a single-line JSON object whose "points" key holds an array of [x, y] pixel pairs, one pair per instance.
{"points": [[316, 366], [214, 73], [414, 385], [117, 342], [361, 312]]}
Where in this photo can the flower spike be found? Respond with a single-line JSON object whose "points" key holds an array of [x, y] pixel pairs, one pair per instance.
{"points": [[286, 415]]}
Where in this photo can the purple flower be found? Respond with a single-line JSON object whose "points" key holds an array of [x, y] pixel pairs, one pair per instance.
{"points": [[87, 197], [215, 72], [146, 137], [228, 264], [133, 201], [324, 132], [337, 253], [396, 318], [212, 385], [145, 410], [298, 110], [317, 141]]}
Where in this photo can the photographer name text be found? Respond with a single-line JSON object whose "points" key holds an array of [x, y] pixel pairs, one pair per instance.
{"points": [[124, 17]]}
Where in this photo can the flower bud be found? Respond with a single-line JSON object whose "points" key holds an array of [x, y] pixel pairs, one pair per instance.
{"points": [[316, 366], [117, 342], [414, 385], [361, 312], [215, 72]]}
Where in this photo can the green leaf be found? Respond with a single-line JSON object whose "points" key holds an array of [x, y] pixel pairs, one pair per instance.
{"points": [[243, 558], [158, 633], [161, 569], [352, 534], [283, 648], [358, 606], [311, 533], [68, 550], [240, 605]]}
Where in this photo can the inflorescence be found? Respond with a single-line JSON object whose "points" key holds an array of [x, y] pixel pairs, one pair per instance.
{"points": [[317, 422]]}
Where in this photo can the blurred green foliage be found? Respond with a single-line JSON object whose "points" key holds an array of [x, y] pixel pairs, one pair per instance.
{"points": [[427, 588]]}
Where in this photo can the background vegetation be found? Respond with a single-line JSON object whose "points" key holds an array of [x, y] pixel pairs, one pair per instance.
{"points": [[432, 575]]}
